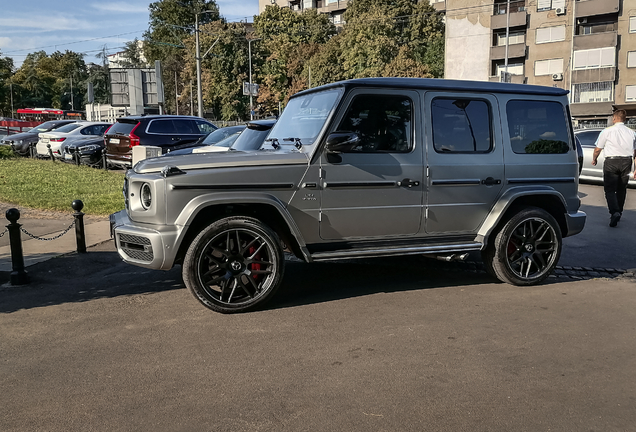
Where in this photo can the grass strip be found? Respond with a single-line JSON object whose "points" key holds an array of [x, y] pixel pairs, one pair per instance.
{"points": [[46, 185]]}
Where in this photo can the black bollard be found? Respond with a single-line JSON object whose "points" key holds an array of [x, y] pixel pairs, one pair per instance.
{"points": [[18, 276], [76, 156], [78, 205], [104, 159], [48, 146]]}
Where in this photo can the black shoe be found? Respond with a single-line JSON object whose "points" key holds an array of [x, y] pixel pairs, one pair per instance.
{"points": [[614, 219]]}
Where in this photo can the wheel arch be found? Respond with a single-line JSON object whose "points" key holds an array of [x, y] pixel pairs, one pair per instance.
{"points": [[204, 210], [545, 198]]}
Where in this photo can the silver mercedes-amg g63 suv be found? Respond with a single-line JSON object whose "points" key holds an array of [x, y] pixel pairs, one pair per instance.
{"points": [[365, 168]]}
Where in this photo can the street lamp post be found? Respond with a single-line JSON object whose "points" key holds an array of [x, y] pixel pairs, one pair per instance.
{"points": [[249, 48], [197, 56]]}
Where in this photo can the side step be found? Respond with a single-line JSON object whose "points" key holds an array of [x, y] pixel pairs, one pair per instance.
{"points": [[440, 249]]}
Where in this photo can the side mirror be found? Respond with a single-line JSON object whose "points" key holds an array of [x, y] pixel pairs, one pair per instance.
{"points": [[338, 142]]}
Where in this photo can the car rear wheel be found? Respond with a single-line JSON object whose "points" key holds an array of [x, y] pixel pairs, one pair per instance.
{"points": [[526, 249], [234, 265]]}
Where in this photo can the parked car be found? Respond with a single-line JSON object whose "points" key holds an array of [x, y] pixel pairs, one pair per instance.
{"points": [[251, 138], [365, 168], [21, 142], [89, 150], [166, 132], [592, 173], [219, 135], [67, 133]]}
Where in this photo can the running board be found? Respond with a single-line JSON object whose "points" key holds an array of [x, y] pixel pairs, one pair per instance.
{"points": [[404, 250]]}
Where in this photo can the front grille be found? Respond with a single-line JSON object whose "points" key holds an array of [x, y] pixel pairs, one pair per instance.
{"points": [[136, 247]]}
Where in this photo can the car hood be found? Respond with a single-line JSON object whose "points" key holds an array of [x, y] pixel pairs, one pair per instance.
{"points": [[222, 160], [20, 136]]}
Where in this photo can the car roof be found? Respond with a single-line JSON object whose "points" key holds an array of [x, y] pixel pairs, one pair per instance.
{"points": [[157, 116], [442, 84]]}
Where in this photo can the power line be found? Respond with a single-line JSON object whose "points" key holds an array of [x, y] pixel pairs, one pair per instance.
{"points": [[76, 42]]}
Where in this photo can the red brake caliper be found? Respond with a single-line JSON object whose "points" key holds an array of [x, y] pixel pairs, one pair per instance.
{"points": [[256, 257]]}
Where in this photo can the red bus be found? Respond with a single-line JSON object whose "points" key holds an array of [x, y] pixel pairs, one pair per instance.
{"points": [[45, 114]]}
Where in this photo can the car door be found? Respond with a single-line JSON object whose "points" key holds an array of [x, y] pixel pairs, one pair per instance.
{"points": [[465, 169], [374, 190]]}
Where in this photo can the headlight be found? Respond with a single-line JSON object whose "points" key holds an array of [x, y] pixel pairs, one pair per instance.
{"points": [[146, 196], [88, 148]]}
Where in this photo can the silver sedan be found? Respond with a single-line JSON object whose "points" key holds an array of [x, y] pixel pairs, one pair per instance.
{"points": [[591, 173]]}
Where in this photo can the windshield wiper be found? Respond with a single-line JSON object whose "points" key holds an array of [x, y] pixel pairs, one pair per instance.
{"points": [[296, 141], [274, 142]]}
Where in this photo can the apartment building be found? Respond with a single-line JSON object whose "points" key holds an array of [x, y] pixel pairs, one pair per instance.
{"points": [[334, 8], [585, 46]]}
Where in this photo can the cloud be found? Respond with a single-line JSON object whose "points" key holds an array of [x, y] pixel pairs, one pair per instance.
{"points": [[46, 23], [122, 7], [548, 134]]}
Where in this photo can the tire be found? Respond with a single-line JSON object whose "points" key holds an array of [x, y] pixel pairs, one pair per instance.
{"points": [[234, 265], [526, 249]]}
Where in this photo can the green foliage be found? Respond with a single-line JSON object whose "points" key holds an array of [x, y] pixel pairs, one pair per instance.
{"points": [[547, 147], [6, 152], [53, 186], [6, 71]]}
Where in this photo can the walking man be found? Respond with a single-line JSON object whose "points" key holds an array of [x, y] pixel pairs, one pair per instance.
{"points": [[619, 143]]}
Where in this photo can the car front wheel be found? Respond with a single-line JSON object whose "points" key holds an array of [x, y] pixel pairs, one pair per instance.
{"points": [[234, 265], [526, 249]]}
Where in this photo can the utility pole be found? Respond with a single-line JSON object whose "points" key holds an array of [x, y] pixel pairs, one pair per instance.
{"points": [[72, 104], [176, 94], [198, 61], [11, 91], [249, 48], [507, 37]]}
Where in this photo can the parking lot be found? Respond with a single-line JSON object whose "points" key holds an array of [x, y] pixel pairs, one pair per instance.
{"points": [[400, 344]]}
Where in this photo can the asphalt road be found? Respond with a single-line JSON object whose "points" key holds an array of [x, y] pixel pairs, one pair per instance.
{"points": [[398, 344]]}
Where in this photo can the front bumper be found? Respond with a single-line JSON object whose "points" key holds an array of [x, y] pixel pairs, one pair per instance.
{"points": [[150, 246], [576, 222]]}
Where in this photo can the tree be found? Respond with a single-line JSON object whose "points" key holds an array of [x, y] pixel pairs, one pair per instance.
{"points": [[6, 72], [288, 41], [133, 55]]}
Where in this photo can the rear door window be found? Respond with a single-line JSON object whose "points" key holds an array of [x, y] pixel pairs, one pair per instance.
{"points": [[161, 127], [186, 127], [537, 127], [204, 127], [68, 128], [461, 125]]}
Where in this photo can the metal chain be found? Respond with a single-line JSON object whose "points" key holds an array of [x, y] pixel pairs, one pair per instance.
{"points": [[4, 232], [48, 239]]}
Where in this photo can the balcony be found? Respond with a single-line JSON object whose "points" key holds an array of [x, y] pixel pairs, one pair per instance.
{"points": [[514, 50], [607, 74], [598, 40], [588, 8], [517, 19], [515, 6]]}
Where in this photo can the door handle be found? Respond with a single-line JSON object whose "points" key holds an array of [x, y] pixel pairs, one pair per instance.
{"points": [[491, 181], [407, 183]]}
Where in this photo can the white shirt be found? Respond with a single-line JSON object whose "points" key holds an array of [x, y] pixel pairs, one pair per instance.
{"points": [[617, 140]]}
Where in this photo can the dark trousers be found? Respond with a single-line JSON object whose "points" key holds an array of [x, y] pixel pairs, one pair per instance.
{"points": [[615, 178]]}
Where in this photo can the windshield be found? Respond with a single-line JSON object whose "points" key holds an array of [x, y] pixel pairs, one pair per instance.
{"points": [[44, 127], [250, 139], [68, 127], [220, 134], [227, 142], [304, 117], [588, 139]]}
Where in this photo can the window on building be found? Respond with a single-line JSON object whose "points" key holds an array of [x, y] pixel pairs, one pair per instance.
{"points": [[595, 58], [543, 5], [515, 6], [593, 92], [594, 28], [548, 67], [515, 38], [337, 19], [461, 125], [630, 93], [308, 4], [631, 59], [513, 68], [632, 24], [332, 1], [550, 34]]}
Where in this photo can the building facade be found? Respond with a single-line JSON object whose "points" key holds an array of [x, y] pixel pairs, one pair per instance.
{"points": [[585, 46], [335, 8]]}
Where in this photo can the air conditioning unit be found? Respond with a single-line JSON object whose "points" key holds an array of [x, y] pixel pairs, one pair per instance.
{"points": [[557, 77], [560, 11]]}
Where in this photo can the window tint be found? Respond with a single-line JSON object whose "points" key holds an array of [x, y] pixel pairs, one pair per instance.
{"points": [[122, 128], [250, 139], [187, 127], [537, 127], [204, 127], [588, 139], [221, 134], [382, 122], [461, 125], [69, 127], [161, 127]]}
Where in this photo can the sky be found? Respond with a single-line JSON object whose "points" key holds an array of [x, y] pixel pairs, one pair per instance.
{"points": [[84, 26]]}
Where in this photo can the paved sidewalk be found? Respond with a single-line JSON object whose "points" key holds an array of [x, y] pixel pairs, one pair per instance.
{"points": [[35, 251]]}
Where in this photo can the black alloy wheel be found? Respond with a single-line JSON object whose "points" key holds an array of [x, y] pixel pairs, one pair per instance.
{"points": [[527, 248], [234, 265]]}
